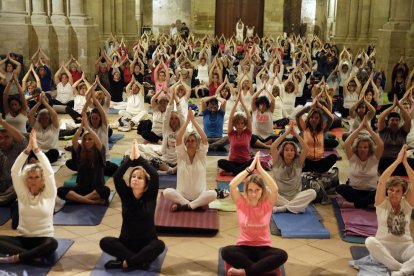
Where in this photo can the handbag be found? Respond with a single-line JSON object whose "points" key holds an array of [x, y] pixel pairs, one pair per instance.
{"points": [[330, 180], [311, 180]]}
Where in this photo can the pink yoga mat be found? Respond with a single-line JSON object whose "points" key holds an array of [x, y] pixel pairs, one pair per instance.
{"points": [[358, 222]]}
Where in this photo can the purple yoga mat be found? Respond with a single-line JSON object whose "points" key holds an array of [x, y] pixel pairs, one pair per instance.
{"points": [[358, 222]]}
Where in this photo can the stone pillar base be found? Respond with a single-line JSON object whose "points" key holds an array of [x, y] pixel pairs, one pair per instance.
{"points": [[59, 20]]}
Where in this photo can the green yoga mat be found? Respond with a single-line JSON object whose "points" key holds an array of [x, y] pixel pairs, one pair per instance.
{"points": [[225, 205], [71, 182]]}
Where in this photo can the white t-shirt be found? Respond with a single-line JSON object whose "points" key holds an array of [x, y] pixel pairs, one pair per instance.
{"points": [[278, 112], [47, 138], [262, 124], [64, 92], [157, 121], [19, 122], [202, 74], [398, 230], [168, 150], [79, 103], [363, 175], [191, 177], [135, 104], [350, 99]]}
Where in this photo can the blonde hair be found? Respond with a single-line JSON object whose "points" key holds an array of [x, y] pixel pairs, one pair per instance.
{"points": [[31, 168]]}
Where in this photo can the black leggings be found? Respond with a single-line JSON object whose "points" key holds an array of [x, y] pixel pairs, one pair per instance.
{"points": [[52, 155], [103, 191], [233, 167], [321, 165], [28, 248], [360, 198], [138, 254], [400, 170], [255, 260], [109, 169]]}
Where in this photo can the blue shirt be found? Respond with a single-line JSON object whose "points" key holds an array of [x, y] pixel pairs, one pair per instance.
{"points": [[213, 123]]}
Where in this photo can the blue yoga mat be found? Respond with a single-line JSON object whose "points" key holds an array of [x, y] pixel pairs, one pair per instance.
{"points": [[40, 267], [81, 214], [154, 269], [341, 225], [222, 271], [304, 225], [71, 182], [114, 138], [168, 181], [224, 185], [4, 214]]}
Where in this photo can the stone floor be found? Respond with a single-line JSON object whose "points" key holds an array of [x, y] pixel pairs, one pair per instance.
{"points": [[195, 255]]}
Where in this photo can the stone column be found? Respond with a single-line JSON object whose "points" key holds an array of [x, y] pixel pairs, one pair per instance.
{"points": [[39, 14], [76, 14], [273, 18], [342, 19], [396, 37], [353, 19], [13, 11], [138, 17], [330, 28], [14, 26], [364, 13], [203, 17], [58, 13]]}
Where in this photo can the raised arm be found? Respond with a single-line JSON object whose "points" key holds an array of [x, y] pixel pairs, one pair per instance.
{"points": [[32, 113], [13, 132], [384, 115], [52, 112], [381, 192]]}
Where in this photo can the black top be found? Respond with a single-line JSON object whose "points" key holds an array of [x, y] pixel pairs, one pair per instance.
{"points": [[90, 174], [117, 87], [137, 214]]}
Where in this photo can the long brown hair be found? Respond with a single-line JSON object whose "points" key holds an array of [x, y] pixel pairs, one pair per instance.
{"points": [[88, 157]]}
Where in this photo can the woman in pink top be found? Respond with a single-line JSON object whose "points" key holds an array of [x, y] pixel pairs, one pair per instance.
{"points": [[240, 134], [253, 254]]}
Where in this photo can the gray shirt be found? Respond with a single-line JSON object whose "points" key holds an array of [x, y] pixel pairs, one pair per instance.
{"points": [[288, 178], [7, 159]]}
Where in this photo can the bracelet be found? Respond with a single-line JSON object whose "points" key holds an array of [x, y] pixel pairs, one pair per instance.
{"points": [[248, 171]]}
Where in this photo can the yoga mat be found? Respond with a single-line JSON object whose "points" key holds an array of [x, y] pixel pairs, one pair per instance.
{"points": [[222, 270], [217, 153], [225, 205], [81, 214], [4, 214], [365, 264], [223, 181], [40, 267], [338, 132], [154, 269], [202, 223], [113, 111], [114, 138], [71, 182], [358, 252], [305, 225], [341, 226], [167, 181], [358, 222]]}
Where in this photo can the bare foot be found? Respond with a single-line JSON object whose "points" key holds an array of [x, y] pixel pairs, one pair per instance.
{"points": [[347, 204], [236, 272]]}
